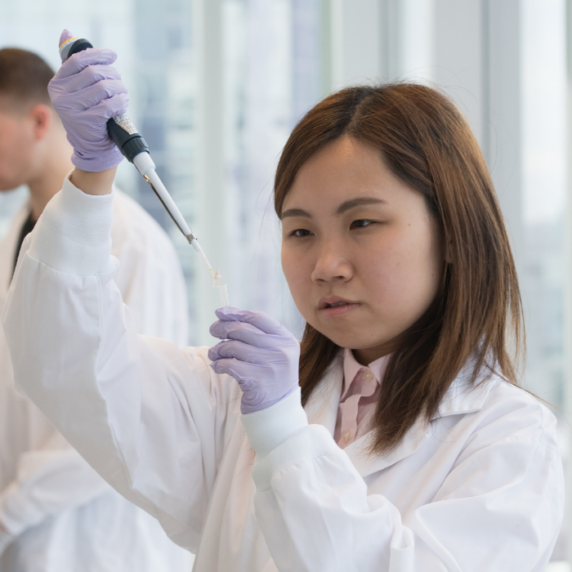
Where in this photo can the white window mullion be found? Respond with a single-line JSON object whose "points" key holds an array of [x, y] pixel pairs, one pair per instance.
{"points": [[503, 113], [210, 217]]}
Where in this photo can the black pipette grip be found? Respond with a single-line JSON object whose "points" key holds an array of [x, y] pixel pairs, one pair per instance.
{"points": [[79, 46], [129, 143]]}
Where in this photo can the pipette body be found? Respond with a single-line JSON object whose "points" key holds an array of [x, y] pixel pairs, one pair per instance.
{"points": [[134, 148]]}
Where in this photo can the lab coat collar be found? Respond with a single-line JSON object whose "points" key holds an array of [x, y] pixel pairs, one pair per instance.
{"points": [[464, 396], [9, 242], [7, 251], [322, 408]]}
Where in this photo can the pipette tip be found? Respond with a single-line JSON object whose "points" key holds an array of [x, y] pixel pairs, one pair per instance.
{"points": [[222, 288], [195, 244]]}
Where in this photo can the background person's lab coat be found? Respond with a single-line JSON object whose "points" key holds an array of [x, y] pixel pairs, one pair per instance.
{"points": [[480, 488], [63, 514]]}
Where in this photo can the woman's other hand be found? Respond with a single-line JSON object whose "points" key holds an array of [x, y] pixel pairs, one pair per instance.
{"points": [[259, 352]]}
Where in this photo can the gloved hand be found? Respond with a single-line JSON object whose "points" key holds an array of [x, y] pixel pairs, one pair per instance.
{"points": [[86, 92], [266, 356]]}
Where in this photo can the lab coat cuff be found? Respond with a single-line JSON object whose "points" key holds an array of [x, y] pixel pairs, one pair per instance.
{"points": [[73, 235], [5, 540], [307, 444], [268, 428]]}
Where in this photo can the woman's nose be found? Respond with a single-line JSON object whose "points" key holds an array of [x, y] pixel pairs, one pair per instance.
{"points": [[332, 265]]}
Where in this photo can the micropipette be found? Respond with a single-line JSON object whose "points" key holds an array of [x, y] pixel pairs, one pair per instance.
{"points": [[135, 149]]}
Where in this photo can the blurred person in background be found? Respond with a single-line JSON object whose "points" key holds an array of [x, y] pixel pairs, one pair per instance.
{"points": [[56, 513]]}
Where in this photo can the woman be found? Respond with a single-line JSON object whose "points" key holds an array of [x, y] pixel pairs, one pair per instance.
{"points": [[415, 449]]}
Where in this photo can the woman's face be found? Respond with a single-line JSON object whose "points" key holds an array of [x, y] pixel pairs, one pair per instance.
{"points": [[361, 253]]}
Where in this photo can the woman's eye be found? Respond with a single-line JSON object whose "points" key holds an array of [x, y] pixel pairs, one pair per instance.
{"points": [[361, 223], [300, 233]]}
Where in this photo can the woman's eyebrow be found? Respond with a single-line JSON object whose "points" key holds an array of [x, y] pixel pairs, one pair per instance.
{"points": [[360, 201], [295, 212], [345, 206]]}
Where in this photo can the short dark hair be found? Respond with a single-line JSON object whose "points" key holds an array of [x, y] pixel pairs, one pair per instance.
{"points": [[24, 78]]}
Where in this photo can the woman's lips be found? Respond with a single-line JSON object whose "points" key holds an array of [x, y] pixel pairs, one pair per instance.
{"points": [[339, 309]]}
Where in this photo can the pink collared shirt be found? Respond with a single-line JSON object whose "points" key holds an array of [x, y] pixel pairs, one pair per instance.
{"points": [[360, 394]]}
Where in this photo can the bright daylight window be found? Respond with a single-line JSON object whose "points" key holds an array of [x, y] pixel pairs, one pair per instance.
{"points": [[544, 154]]}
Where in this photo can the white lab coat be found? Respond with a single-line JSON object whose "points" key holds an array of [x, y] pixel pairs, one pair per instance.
{"points": [[480, 488], [64, 516]]}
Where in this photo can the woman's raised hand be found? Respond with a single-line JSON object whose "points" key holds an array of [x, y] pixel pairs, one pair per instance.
{"points": [[86, 92], [259, 352]]}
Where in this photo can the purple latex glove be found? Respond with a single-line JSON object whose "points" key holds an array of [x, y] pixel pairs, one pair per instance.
{"points": [[86, 92], [260, 353]]}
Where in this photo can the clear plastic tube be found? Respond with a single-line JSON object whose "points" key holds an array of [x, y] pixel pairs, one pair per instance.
{"points": [[223, 294]]}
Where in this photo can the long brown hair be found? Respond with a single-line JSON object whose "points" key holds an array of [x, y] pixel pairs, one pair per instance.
{"points": [[477, 312]]}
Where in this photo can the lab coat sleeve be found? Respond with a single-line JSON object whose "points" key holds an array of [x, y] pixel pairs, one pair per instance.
{"points": [[151, 419], [48, 481], [498, 510]]}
